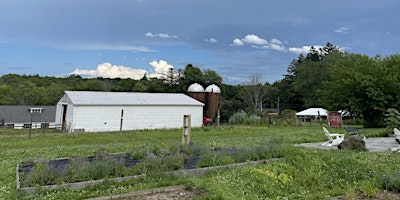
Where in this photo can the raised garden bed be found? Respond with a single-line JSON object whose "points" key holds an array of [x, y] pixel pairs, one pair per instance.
{"points": [[78, 172]]}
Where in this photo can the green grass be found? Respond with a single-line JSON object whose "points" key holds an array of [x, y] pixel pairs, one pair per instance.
{"points": [[305, 174]]}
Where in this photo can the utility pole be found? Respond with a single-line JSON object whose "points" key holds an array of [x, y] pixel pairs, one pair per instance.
{"points": [[277, 103]]}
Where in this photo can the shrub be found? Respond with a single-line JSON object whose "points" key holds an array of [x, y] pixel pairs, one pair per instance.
{"points": [[391, 181], [79, 170], [156, 160], [288, 114], [41, 174], [253, 120], [138, 153], [213, 158], [241, 118], [356, 121], [392, 118], [237, 118]]}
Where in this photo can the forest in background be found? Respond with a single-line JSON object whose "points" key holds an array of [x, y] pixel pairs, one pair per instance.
{"points": [[326, 77]]}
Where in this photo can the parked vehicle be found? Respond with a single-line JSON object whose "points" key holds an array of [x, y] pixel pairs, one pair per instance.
{"points": [[207, 121]]}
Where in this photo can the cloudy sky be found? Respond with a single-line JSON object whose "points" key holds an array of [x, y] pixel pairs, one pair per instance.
{"points": [[128, 38]]}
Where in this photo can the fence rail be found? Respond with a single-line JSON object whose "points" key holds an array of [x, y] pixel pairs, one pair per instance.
{"points": [[31, 126]]}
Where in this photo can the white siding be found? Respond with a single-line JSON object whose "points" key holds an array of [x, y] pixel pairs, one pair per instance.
{"points": [[101, 111], [108, 118], [58, 119], [69, 115]]}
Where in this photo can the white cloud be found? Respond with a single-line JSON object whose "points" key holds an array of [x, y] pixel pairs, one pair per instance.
{"points": [[107, 70], [341, 30], [107, 47], [161, 35], [254, 39], [161, 67], [303, 50], [276, 47], [276, 41], [211, 40], [237, 42], [149, 34], [259, 43]]}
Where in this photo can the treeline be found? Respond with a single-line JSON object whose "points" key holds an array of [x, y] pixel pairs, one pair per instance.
{"points": [[36, 90], [326, 77]]}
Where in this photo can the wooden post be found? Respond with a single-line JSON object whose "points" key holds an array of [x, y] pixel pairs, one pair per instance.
{"points": [[30, 127], [122, 119], [218, 118], [186, 129], [44, 128]]}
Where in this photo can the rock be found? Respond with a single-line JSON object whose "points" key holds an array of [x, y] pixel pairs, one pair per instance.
{"points": [[353, 143]]}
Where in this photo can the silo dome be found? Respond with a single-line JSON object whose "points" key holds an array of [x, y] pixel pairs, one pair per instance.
{"points": [[195, 87], [213, 89]]}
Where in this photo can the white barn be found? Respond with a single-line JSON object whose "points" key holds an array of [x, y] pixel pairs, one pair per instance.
{"points": [[112, 111]]}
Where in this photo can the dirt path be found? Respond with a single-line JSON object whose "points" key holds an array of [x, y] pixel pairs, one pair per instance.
{"points": [[167, 193]]}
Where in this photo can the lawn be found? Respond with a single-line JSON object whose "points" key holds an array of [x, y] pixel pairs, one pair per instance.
{"points": [[304, 174]]}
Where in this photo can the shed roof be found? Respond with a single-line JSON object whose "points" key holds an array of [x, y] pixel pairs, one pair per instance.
{"points": [[22, 114], [129, 98]]}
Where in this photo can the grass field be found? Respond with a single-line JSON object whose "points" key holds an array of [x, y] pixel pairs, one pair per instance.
{"points": [[305, 173]]}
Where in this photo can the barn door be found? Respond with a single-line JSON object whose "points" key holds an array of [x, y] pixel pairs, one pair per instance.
{"points": [[64, 117]]}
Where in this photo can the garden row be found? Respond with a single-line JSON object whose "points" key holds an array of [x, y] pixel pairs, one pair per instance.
{"points": [[138, 161]]}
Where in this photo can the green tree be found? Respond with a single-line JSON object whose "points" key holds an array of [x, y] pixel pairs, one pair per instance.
{"points": [[140, 86], [172, 77], [93, 85], [211, 77], [364, 86], [311, 72], [255, 93], [231, 101], [124, 85], [191, 74], [7, 96], [156, 85]]}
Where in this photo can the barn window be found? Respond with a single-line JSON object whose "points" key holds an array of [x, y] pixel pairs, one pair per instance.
{"points": [[35, 110]]}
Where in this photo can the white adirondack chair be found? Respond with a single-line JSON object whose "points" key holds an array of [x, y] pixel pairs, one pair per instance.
{"points": [[397, 138], [334, 139], [396, 134]]}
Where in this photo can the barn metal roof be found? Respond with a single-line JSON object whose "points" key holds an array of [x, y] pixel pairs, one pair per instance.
{"points": [[129, 98], [22, 114]]}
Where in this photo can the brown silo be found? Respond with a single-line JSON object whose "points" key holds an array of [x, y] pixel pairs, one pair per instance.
{"points": [[213, 95], [196, 91]]}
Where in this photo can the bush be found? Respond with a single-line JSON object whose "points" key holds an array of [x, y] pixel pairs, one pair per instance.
{"points": [[240, 118], [357, 121], [392, 118], [391, 181], [237, 118], [156, 160], [253, 120]]}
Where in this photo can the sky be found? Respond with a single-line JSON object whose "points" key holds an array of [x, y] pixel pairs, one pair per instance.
{"points": [[237, 39]]}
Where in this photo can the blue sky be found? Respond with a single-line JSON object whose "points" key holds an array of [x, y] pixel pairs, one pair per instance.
{"points": [[237, 39]]}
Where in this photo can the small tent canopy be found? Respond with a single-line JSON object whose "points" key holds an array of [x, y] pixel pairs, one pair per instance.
{"points": [[312, 112]]}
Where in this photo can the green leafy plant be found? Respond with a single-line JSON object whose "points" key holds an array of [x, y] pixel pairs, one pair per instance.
{"points": [[392, 118], [391, 181], [41, 174], [241, 118], [316, 173], [237, 118]]}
